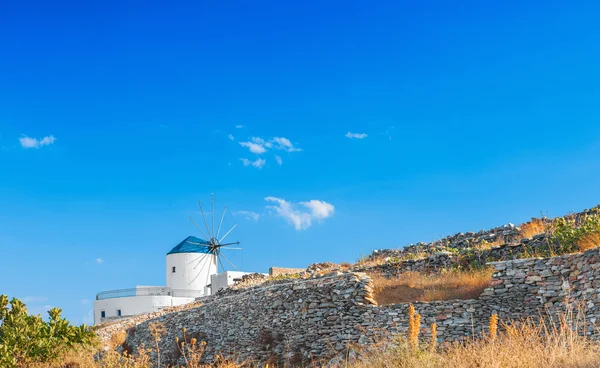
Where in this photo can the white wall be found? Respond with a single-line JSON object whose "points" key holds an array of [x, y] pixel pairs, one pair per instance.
{"points": [[133, 305], [224, 279], [192, 271]]}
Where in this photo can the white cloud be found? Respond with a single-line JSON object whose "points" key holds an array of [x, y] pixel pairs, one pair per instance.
{"points": [[88, 319], [231, 137], [258, 163], [248, 215], [259, 145], [356, 135], [285, 144], [254, 147], [279, 160], [239, 126], [34, 299], [301, 220], [28, 142], [85, 301], [319, 209], [99, 260]]}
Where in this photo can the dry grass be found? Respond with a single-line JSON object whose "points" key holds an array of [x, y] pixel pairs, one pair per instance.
{"points": [[589, 241], [534, 227], [117, 339], [413, 286], [520, 346]]}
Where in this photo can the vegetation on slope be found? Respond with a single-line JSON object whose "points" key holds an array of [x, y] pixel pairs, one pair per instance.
{"points": [[414, 286], [26, 339]]}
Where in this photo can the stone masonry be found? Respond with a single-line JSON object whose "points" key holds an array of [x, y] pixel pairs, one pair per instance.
{"points": [[321, 317]]}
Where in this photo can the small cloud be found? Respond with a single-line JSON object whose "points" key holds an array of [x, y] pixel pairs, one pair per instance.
{"points": [[319, 209], [356, 135], [285, 144], [279, 160], [28, 142], [259, 145], [301, 220], [258, 163], [231, 137], [254, 147], [239, 126], [248, 215], [34, 299], [85, 301], [99, 260], [88, 319]]}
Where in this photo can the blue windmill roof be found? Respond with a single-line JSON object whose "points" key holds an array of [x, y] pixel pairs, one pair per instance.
{"points": [[191, 244]]}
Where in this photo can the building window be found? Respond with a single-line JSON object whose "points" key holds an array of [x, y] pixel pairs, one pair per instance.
{"points": [[102, 314], [173, 269], [119, 312]]}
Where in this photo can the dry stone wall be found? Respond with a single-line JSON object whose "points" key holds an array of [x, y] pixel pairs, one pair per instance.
{"points": [[321, 317]]}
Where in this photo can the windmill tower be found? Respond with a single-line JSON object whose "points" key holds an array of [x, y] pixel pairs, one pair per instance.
{"points": [[192, 263]]}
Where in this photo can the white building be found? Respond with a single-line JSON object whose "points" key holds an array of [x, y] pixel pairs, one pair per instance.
{"points": [[191, 269]]}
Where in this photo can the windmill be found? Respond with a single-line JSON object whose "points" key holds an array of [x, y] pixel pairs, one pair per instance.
{"points": [[214, 243]]}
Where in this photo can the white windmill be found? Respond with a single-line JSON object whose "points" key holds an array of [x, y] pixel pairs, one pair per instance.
{"points": [[192, 263]]}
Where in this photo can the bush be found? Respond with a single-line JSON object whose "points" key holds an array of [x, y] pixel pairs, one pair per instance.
{"points": [[25, 339], [568, 238]]}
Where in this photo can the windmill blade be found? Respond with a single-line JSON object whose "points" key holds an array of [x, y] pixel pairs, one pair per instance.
{"points": [[212, 212], [227, 259], [225, 244], [221, 222], [227, 233], [205, 223], [199, 272], [198, 227], [220, 262], [199, 264], [194, 260]]}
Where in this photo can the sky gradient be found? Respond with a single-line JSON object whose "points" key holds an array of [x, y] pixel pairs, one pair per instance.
{"points": [[329, 128]]}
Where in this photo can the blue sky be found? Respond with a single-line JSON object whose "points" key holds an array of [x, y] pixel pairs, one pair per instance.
{"points": [[116, 117]]}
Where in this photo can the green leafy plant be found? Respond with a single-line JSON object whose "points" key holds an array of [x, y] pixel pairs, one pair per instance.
{"points": [[26, 338]]}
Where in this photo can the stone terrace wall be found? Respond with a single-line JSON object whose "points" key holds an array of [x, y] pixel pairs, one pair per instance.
{"points": [[319, 317], [281, 271]]}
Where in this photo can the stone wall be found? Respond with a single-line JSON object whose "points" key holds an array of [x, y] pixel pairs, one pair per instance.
{"points": [[320, 317], [281, 271]]}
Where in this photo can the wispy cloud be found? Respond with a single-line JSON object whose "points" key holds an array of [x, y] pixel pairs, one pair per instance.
{"points": [[356, 135], [239, 126], [88, 319], [85, 301], [260, 145], [279, 160], [248, 215], [99, 260], [34, 299], [285, 144], [163, 126], [231, 137], [258, 163], [254, 147], [301, 219], [29, 142]]}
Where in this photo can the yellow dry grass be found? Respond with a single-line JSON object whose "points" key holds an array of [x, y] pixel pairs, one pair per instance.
{"points": [[413, 286], [534, 227], [589, 241], [524, 345]]}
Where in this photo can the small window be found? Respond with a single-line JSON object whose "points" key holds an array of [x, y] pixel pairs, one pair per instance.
{"points": [[103, 314], [173, 269], [119, 312]]}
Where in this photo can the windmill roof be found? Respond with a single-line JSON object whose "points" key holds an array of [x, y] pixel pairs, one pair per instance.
{"points": [[191, 244]]}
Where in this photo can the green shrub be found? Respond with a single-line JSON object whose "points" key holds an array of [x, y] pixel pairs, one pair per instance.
{"points": [[27, 339], [566, 236]]}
